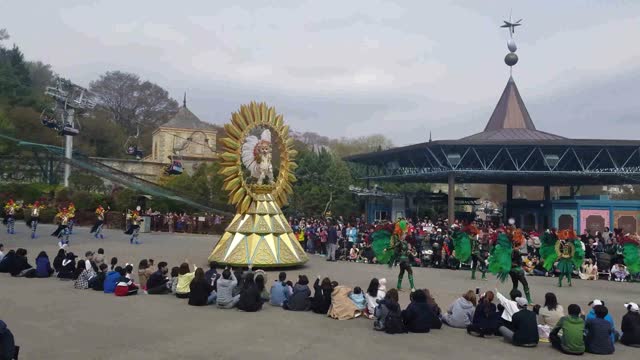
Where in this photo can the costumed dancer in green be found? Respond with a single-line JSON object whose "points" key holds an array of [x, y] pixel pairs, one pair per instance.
{"points": [[402, 253], [462, 245], [631, 253], [505, 259], [566, 248]]}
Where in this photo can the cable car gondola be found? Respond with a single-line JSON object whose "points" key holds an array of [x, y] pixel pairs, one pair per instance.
{"points": [[175, 168], [132, 146]]}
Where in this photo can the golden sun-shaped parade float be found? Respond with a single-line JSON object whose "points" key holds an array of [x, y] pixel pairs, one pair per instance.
{"points": [[259, 235]]}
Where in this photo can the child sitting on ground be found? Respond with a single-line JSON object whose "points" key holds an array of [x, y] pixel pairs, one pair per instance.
{"points": [[125, 285], [358, 298], [173, 282], [353, 253]]}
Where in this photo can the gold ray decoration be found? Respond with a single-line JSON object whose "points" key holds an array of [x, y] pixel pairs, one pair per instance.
{"points": [[259, 234]]}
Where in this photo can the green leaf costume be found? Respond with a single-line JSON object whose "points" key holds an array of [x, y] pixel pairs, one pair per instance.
{"points": [[461, 245], [500, 258]]}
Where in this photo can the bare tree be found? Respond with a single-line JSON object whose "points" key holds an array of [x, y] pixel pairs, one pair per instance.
{"points": [[132, 102], [4, 34]]}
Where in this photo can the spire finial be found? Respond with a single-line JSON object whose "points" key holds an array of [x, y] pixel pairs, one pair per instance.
{"points": [[184, 100], [511, 59]]}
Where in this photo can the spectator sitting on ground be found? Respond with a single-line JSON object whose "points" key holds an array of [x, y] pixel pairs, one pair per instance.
{"points": [[376, 291], [68, 269], [592, 315], [99, 257], [631, 325], [572, 339], [548, 315], [387, 313], [358, 298], [226, 284], [200, 291], [57, 261], [250, 300], [589, 271], [460, 313], [524, 328], [113, 262], [321, 301], [89, 263], [83, 277], [1, 251], [509, 307], [279, 290], [485, 318], [21, 266], [43, 266], [299, 300], [157, 283], [212, 273], [173, 280], [598, 333], [260, 281], [111, 280], [125, 286], [419, 316], [184, 280], [432, 302], [8, 348], [144, 272], [97, 283]]}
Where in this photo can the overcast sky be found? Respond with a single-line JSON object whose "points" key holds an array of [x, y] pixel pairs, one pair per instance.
{"points": [[349, 68]]}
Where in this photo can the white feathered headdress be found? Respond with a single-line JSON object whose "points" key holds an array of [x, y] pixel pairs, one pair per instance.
{"points": [[250, 151]]}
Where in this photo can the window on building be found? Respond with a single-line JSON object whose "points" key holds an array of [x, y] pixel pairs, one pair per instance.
{"points": [[381, 215]]}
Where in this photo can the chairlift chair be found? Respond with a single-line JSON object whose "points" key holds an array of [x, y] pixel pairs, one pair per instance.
{"points": [[68, 130]]}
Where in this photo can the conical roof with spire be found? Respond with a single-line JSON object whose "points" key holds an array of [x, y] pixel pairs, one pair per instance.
{"points": [[511, 120], [185, 119]]}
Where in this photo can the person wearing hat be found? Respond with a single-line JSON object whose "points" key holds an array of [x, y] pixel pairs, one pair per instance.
{"points": [[631, 325], [592, 315], [524, 326], [572, 339], [597, 331]]}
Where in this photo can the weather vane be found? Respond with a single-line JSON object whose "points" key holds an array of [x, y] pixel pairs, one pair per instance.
{"points": [[511, 25], [511, 59]]}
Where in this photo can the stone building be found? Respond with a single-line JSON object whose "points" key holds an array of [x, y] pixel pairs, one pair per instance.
{"points": [[184, 138]]}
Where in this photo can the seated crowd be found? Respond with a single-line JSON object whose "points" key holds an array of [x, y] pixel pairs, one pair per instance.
{"points": [[482, 315]]}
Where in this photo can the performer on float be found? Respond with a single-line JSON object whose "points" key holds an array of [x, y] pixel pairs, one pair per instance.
{"points": [[97, 227], [565, 248], [62, 232], [10, 209], [402, 253], [72, 214], [134, 220], [35, 217], [505, 259]]}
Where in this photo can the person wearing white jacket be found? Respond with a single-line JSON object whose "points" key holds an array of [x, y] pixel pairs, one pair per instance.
{"points": [[376, 291]]}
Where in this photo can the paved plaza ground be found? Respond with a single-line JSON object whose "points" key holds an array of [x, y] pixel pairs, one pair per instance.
{"points": [[52, 320]]}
